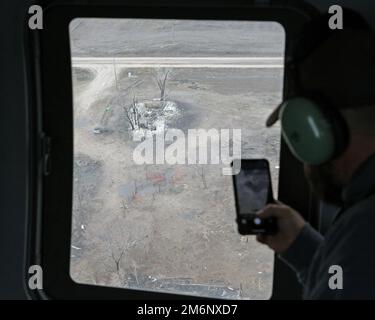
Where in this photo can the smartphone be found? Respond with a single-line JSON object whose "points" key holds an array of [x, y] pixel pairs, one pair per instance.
{"points": [[253, 191]]}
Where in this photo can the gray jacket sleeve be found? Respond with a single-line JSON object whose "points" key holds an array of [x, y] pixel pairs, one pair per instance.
{"points": [[300, 254]]}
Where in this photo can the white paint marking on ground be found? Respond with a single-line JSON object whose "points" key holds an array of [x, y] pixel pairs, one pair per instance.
{"points": [[182, 62]]}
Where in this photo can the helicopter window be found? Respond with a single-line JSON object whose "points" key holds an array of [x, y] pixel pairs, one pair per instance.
{"points": [[149, 223]]}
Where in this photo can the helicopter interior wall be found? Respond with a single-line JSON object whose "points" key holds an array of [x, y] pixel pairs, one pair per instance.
{"points": [[15, 141]]}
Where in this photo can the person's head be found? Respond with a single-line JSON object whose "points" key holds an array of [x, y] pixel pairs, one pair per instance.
{"points": [[329, 179], [340, 66]]}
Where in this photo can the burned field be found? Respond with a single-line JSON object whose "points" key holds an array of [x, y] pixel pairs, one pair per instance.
{"points": [[166, 227]]}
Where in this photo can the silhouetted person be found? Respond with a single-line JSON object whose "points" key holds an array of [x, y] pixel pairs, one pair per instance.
{"points": [[342, 68]]}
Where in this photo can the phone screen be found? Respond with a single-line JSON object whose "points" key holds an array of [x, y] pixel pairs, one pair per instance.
{"points": [[253, 186]]}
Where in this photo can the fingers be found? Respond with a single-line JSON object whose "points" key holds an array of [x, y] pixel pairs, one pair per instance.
{"points": [[262, 238], [265, 239], [273, 210]]}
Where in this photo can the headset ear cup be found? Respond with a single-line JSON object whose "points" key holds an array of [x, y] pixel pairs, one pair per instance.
{"points": [[309, 132], [340, 130]]}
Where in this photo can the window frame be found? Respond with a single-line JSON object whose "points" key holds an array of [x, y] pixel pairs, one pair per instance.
{"points": [[51, 115]]}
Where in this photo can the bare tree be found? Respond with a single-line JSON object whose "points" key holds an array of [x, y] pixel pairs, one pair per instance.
{"points": [[118, 257], [116, 242], [201, 173], [161, 80], [116, 247], [133, 114]]}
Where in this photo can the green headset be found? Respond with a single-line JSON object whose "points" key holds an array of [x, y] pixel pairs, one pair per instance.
{"points": [[315, 131], [312, 126]]}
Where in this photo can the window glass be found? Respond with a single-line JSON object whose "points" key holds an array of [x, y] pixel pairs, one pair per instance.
{"points": [[139, 86]]}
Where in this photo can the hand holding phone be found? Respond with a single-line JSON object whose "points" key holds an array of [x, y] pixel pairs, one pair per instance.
{"points": [[253, 191]]}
